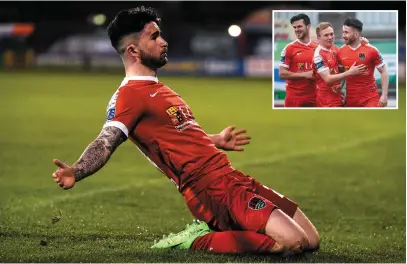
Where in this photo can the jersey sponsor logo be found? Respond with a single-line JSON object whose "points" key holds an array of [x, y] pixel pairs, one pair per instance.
{"points": [[256, 203], [362, 56]]}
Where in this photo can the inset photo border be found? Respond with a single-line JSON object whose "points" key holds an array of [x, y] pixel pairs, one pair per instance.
{"points": [[342, 67]]}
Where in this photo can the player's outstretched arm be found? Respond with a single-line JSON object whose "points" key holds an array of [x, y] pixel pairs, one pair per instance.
{"points": [[385, 85], [285, 74], [230, 139], [93, 158], [331, 78]]}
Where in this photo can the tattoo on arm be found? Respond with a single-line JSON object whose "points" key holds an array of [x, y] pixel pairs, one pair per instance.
{"points": [[98, 152]]}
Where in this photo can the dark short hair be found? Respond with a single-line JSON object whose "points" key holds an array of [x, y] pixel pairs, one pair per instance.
{"points": [[307, 21], [130, 21], [354, 23]]}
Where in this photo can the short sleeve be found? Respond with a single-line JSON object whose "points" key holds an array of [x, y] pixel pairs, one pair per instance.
{"points": [[124, 109], [319, 64], [377, 58], [285, 58]]}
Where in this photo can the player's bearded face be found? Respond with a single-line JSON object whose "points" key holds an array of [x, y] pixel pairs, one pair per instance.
{"points": [[300, 29], [153, 60], [349, 35], [152, 47]]}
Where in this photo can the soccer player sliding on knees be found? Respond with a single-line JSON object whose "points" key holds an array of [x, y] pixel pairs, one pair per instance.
{"points": [[163, 127]]}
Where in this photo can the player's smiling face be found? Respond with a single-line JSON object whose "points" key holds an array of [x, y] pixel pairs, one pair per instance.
{"points": [[152, 47], [300, 29], [349, 34], [326, 37]]}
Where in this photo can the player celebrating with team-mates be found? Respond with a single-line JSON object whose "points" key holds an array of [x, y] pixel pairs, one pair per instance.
{"points": [[163, 127], [329, 87], [296, 65], [361, 90]]}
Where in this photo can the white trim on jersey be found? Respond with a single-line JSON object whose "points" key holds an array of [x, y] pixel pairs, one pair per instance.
{"points": [[284, 65], [380, 65], [318, 59], [139, 78], [356, 47], [306, 44], [323, 48], [119, 125]]}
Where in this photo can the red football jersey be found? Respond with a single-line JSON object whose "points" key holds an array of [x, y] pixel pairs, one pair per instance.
{"points": [[163, 127], [297, 57], [325, 60], [368, 55]]}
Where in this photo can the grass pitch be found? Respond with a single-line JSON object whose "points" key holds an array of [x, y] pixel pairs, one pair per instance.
{"points": [[346, 169]]}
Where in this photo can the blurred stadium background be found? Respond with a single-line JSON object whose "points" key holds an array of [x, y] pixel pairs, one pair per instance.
{"points": [[57, 72], [379, 27], [74, 36]]}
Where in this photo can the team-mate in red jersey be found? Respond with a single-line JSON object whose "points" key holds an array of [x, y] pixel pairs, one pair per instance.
{"points": [[296, 66], [361, 90], [329, 87], [163, 127]]}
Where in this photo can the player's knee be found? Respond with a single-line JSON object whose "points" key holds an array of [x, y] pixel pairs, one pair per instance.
{"points": [[296, 243], [294, 248], [314, 241]]}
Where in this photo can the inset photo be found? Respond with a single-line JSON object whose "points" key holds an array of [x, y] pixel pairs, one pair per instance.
{"points": [[335, 59]]}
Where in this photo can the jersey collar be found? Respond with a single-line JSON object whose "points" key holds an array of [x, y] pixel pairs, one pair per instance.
{"points": [[355, 48], [139, 78], [306, 44], [323, 48]]}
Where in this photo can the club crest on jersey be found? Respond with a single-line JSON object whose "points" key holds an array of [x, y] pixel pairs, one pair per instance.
{"points": [[362, 56], [256, 203], [175, 115], [301, 66]]}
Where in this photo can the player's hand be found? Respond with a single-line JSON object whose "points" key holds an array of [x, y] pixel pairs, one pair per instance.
{"points": [[383, 101], [357, 69], [337, 88], [231, 139], [309, 75], [364, 40], [64, 175]]}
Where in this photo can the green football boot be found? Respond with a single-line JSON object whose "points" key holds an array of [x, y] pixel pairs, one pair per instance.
{"points": [[185, 238]]}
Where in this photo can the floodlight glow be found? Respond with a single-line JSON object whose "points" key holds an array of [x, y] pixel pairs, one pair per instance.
{"points": [[234, 31], [99, 19]]}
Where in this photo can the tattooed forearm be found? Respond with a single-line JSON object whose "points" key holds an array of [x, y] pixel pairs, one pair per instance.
{"points": [[98, 152]]}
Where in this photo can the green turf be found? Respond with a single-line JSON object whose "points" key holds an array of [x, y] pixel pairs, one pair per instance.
{"points": [[346, 169]]}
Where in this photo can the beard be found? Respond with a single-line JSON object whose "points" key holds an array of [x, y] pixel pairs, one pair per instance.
{"points": [[350, 40], [301, 35], [152, 62]]}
